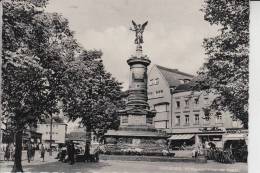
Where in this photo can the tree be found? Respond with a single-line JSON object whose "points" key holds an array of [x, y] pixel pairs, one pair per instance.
{"points": [[97, 97], [225, 71], [36, 49]]}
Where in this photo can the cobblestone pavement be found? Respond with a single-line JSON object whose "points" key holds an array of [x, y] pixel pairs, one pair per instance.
{"points": [[113, 166]]}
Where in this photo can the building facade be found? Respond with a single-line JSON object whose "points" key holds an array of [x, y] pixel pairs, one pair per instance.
{"points": [[161, 81], [59, 131], [185, 114]]}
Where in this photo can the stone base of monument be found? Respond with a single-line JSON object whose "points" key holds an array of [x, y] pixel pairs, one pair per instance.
{"points": [[131, 141]]}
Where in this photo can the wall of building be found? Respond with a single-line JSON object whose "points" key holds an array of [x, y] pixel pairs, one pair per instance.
{"points": [[159, 98], [190, 112], [58, 132]]}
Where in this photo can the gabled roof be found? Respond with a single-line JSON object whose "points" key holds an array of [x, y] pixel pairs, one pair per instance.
{"points": [[172, 76]]}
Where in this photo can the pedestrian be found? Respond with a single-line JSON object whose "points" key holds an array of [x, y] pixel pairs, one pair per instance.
{"points": [[33, 151], [29, 151], [71, 152], [7, 152], [42, 150], [12, 151]]}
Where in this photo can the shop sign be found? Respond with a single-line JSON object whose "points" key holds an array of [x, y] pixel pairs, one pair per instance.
{"points": [[206, 129], [216, 139]]}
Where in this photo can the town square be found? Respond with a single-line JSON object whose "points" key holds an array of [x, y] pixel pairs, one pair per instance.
{"points": [[124, 86]]}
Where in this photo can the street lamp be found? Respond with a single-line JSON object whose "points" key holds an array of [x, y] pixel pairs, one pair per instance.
{"points": [[1, 24], [50, 153], [172, 89]]}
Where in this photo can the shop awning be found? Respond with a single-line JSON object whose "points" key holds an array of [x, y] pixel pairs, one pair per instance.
{"points": [[181, 137], [234, 136]]}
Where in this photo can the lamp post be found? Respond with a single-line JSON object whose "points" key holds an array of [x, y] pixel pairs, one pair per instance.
{"points": [[50, 153], [171, 119], [1, 26]]}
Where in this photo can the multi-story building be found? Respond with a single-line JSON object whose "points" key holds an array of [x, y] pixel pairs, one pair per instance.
{"points": [[185, 114], [59, 131], [161, 81]]}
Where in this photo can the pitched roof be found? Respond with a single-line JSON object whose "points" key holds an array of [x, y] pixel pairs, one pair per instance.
{"points": [[172, 76], [183, 88]]}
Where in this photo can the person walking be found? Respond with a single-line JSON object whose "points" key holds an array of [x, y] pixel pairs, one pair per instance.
{"points": [[29, 151], [7, 152], [12, 151], [42, 150], [71, 152], [33, 151]]}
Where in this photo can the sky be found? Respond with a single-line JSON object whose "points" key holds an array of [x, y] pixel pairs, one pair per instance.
{"points": [[173, 37]]}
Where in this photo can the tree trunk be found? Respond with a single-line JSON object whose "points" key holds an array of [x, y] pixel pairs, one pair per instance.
{"points": [[18, 152], [88, 140]]}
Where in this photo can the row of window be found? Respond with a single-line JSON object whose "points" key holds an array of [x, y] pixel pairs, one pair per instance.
{"points": [[156, 92], [54, 125], [184, 81], [187, 102], [156, 81], [196, 119], [153, 81], [52, 133]]}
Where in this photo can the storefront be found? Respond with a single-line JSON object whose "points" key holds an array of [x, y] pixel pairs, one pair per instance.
{"points": [[181, 141], [215, 139], [197, 136], [235, 140]]}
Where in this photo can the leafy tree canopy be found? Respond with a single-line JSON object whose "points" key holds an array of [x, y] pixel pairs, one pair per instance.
{"points": [[98, 94], [226, 68]]}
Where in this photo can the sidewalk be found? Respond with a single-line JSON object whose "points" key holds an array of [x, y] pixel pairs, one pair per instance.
{"points": [[6, 166], [115, 166]]}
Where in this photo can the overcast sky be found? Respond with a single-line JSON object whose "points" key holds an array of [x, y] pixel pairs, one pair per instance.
{"points": [[173, 37]]}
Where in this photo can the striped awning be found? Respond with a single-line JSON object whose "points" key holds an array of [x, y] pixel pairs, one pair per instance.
{"points": [[181, 137], [235, 136]]}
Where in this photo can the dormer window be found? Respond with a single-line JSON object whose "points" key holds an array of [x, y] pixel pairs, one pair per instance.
{"points": [[181, 81], [186, 80]]}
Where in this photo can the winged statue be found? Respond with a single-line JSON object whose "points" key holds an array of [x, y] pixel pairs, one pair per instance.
{"points": [[138, 29]]}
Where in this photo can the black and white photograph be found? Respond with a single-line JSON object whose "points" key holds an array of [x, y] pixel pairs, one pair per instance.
{"points": [[127, 86]]}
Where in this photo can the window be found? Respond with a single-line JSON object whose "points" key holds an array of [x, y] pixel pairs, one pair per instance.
{"points": [[124, 119], [178, 104], [151, 82], [149, 120], [161, 108], [47, 133], [187, 120], [207, 116], [181, 81], [197, 119], [150, 93], [159, 91], [160, 124], [219, 118], [187, 102], [156, 82], [186, 80], [196, 101], [178, 120]]}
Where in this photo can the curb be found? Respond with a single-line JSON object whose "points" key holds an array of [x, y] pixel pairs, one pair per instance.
{"points": [[151, 158]]}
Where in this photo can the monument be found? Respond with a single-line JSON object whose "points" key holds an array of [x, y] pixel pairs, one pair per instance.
{"points": [[136, 130]]}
